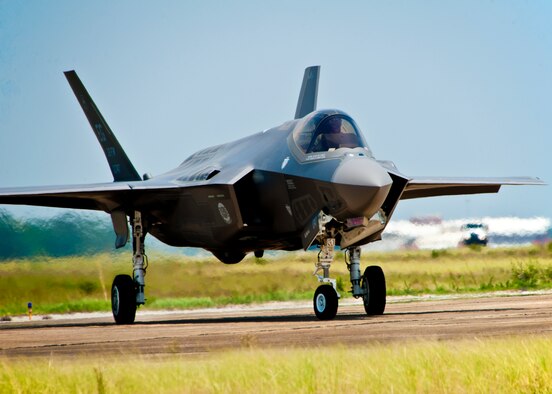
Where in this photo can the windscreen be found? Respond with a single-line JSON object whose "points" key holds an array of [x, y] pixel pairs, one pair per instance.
{"points": [[328, 134]]}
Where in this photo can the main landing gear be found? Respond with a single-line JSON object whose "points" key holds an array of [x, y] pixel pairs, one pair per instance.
{"points": [[128, 293], [370, 286]]}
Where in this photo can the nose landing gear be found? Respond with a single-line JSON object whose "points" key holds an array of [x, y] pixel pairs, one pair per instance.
{"points": [[325, 302], [326, 297], [370, 286]]}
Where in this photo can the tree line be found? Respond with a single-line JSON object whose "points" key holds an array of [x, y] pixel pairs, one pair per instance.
{"points": [[66, 234]]}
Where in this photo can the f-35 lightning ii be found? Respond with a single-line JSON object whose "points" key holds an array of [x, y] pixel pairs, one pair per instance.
{"points": [[310, 181]]}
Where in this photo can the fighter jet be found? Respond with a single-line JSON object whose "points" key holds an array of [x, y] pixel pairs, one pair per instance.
{"points": [[310, 182]]}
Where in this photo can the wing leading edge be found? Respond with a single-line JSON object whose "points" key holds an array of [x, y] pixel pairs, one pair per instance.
{"points": [[420, 187], [112, 196], [106, 197]]}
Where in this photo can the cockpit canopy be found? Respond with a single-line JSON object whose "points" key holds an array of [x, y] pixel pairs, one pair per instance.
{"points": [[324, 131]]}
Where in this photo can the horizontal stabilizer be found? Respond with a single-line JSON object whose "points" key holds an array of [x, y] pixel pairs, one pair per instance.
{"points": [[121, 167], [309, 92]]}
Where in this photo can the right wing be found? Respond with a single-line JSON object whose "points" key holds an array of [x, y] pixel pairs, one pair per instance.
{"points": [[117, 198], [127, 193], [106, 197], [419, 187]]}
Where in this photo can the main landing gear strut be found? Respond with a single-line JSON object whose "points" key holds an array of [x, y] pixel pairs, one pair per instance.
{"points": [[370, 286], [128, 293]]}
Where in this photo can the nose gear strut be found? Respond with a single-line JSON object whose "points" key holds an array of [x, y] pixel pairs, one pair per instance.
{"points": [[325, 259], [369, 286], [326, 297]]}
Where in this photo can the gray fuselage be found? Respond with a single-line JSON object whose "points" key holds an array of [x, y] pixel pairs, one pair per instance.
{"points": [[263, 192]]}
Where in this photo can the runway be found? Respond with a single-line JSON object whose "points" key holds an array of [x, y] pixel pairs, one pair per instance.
{"points": [[201, 332]]}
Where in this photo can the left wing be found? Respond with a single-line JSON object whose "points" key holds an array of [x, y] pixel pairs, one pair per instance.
{"points": [[419, 187]]}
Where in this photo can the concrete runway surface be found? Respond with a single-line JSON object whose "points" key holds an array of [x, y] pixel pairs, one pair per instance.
{"points": [[200, 332]]}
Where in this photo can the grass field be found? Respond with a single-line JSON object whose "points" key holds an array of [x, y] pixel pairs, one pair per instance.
{"points": [[506, 365], [511, 365], [83, 283]]}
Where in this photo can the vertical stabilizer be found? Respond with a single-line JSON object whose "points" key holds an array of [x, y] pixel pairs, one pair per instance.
{"points": [[309, 92], [120, 165]]}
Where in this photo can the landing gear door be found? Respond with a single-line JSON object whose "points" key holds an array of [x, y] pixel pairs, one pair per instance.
{"points": [[120, 226], [310, 232]]}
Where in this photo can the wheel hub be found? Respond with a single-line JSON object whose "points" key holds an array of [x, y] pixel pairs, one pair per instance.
{"points": [[366, 290], [115, 300], [321, 302]]}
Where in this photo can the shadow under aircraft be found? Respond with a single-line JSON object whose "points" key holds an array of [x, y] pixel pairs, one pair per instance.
{"points": [[310, 181]]}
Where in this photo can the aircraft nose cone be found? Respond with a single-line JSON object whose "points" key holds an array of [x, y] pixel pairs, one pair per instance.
{"points": [[363, 185], [361, 171]]}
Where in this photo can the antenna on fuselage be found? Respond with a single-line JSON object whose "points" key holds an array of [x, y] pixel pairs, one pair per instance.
{"points": [[309, 92]]}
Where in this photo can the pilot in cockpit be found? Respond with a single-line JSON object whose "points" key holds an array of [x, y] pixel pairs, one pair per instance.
{"points": [[332, 134]]}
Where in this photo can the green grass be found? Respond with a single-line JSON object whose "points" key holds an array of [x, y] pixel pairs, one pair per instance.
{"points": [[77, 284], [511, 365]]}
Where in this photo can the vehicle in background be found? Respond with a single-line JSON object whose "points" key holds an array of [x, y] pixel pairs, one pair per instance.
{"points": [[475, 234]]}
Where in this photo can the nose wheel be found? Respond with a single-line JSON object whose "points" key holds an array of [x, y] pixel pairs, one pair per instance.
{"points": [[325, 302], [370, 286]]}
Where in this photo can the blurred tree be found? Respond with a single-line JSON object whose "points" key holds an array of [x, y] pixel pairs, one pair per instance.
{"points": [[63, 235]]}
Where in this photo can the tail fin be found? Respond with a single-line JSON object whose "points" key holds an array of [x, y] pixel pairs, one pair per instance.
{"points": [[309, 92], [121, 167]]}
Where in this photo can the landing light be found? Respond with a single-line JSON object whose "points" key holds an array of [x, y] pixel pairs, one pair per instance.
{"points": [[355, 222]]}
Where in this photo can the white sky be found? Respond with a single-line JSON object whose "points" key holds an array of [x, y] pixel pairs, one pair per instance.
{"points": [[459, 88]]}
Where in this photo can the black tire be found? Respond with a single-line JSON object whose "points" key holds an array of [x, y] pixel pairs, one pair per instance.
{"points": [[325, 302], [123, 299], [373, 281]]}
